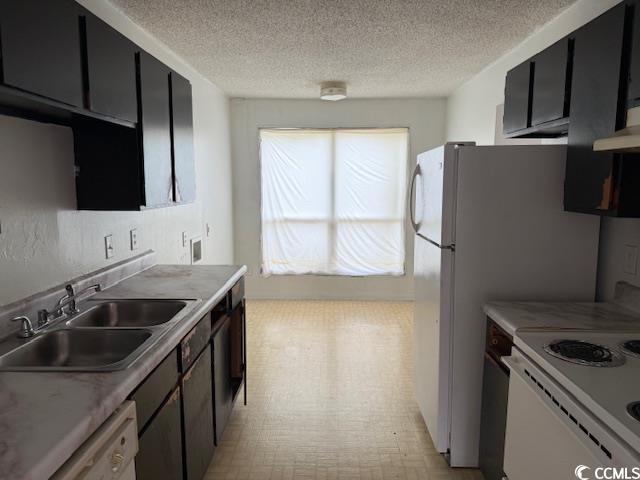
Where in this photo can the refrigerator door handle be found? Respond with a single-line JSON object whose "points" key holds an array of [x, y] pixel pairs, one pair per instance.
{"points": [[451, 247], [416, 171]]}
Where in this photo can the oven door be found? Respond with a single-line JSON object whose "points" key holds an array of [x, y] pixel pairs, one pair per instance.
{"points": [[549, 434]]}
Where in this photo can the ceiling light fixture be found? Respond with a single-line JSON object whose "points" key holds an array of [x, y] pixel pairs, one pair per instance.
{"points": [[333, 91]]}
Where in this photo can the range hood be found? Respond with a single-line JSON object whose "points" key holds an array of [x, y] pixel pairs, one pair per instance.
{"points": [[625, 140]]}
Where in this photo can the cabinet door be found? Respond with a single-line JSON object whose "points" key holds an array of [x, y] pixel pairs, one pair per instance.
{"points": [[198, 416], [516, 98], [633, 94], [589, 180], [160, 445], [111, 69], [155, 131], [182, 135], [41, 48], [550, 99], [222, 391]]}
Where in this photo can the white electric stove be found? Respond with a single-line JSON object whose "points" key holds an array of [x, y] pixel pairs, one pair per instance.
{"points": [[574, 401]]}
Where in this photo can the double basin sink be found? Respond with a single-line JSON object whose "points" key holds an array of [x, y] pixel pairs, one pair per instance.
{"points": [[106, 335]]}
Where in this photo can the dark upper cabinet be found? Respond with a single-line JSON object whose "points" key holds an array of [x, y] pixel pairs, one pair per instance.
{"points": [[633, 93], [41, 48], [516, 98], [197, 410], [591, 183], [111, 70], [182, 136], [155, 130], [551, 83]]}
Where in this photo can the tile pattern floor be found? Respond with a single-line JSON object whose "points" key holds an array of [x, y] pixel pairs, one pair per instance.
{"points": [[330, 397]]}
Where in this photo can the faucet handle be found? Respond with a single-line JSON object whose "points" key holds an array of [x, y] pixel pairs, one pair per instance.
{"points": [[26, 329]]}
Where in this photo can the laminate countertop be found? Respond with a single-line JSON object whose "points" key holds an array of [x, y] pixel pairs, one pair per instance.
{"points": [[46, 416], [513, 316]]}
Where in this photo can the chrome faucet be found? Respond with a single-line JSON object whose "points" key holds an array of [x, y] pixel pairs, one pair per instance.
{"points": [[26, 329], [69, 300]]}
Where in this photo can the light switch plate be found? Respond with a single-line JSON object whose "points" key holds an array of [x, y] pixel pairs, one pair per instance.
{"points": [[630, 259], [185, 240], [108, 246], [133, 234]]}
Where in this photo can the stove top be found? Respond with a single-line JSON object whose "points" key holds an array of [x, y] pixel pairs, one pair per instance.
{"points": [[612, 395], [634, 410], [584, 353], [631, 347]]}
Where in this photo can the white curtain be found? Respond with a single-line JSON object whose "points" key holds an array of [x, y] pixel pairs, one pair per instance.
{"points": [[333, 201]]}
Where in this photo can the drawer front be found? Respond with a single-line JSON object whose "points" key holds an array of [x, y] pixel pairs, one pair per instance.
{"points": [[154, 389], [237, 293], [195, 341]]}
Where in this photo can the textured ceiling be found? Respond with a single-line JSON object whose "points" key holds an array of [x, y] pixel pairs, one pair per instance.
{"points": [[381, 48]]}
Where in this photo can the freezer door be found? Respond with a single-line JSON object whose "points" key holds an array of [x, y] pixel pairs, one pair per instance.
{"points": [[433, 268], [435, 194]]}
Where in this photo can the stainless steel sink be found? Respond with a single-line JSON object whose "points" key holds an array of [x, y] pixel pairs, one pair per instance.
{"points": [[78, 350], [128, 313]]}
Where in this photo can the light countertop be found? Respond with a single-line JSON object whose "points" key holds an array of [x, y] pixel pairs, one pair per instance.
{"points": [[46, 416], [513, 316]]}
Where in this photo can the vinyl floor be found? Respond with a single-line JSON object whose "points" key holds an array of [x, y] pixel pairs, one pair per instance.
{"points": [[330, 396]]}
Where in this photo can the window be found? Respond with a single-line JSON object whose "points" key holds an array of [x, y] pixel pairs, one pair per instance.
{"points": [[333, 201]]}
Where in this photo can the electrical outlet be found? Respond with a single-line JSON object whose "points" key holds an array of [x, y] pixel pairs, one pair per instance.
{"points": [[630, 259], [185, 240], [133, 234], [108, 246], [208, 229]]}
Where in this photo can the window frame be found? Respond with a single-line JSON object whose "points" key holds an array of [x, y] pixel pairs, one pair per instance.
{"points": [[333, 221]]}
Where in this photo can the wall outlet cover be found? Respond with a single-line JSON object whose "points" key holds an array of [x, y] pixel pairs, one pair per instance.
{"points": [[108, 246], [630, 259], [208, 229], [133, 235], [185, 239]]}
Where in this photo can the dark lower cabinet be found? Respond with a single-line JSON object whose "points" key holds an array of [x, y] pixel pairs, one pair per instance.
{"points": [[197, 408], [222, 388], [591, 180], [184, 404], [182, 139], [160, 445], [516, 98], [155, 130], [41, 52]]}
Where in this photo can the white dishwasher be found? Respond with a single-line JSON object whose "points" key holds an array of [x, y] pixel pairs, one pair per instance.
{"points": [[109, 453]]}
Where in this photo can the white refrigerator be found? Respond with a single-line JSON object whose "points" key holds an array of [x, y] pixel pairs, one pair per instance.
{"points": [[489, 225]]}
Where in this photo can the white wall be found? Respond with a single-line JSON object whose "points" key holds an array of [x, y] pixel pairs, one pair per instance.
{"points": [[45, 241], [423, 117], [471, 115]]}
